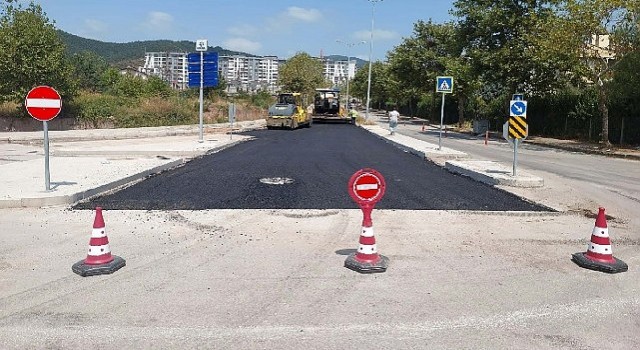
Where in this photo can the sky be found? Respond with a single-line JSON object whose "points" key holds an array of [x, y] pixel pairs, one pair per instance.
{"points": [[266, 28]]}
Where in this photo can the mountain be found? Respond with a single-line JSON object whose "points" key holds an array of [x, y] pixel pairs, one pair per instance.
{"points": [[359, 63], [124, 54], [132, 53]]}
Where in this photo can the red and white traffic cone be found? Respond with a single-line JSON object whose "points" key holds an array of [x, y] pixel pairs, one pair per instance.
{"points": [[366, 259], [99, 260], [599, 256]]}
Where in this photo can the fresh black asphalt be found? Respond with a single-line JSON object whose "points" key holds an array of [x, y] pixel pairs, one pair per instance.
{"points": [[319, 161]]}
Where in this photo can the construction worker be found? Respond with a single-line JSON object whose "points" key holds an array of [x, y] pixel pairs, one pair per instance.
{"points": [[354, 115]]}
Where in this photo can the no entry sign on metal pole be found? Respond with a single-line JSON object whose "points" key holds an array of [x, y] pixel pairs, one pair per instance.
{"points": [[366, 187], [43, 103]]}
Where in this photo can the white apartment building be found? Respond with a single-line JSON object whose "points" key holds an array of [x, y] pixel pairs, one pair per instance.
{"points": [[171, 67], [241, 73], [599, 47], [249, 74], [337, 72]]}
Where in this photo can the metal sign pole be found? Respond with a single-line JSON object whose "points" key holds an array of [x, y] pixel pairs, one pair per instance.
{"points": [[47, 181], [232, 117], [201, 139], [441, 123], [515, 156]]}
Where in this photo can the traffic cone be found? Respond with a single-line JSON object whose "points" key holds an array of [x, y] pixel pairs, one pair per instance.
{"points": [[367, 259], [99, 260], [599, 256]]}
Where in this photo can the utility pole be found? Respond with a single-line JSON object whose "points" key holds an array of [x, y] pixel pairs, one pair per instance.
{"points": [[349, 46], [373, 8]]}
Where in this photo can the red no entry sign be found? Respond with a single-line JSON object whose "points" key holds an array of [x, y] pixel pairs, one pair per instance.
{"points": [[43, 103], [366, 186]]}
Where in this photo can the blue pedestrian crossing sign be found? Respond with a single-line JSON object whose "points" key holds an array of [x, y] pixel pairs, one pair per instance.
{"points": [[518, 108], [444, 85]]}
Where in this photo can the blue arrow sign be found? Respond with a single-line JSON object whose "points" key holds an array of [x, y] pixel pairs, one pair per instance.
{"points": [[518, 108]]}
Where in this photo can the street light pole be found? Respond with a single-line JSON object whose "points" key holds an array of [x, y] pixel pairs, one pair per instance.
{"points": [[373, 7], [349, 46]]}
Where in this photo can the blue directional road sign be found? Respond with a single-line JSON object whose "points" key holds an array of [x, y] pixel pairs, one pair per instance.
{"points": [[444, 85], [518, 108], [209, 68]]}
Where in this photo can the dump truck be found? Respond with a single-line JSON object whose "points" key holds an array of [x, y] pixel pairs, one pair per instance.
{"points": [[327, 108], [288, 113]]}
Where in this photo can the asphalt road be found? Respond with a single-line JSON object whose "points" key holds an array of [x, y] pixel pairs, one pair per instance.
{"points": [[308, 169], [595, 169], [275, 278]]}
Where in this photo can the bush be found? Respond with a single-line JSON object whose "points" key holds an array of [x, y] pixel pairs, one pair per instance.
{"points": [[96, 109], [12, 110], [157, 111], [156, 87], [262, 99]]}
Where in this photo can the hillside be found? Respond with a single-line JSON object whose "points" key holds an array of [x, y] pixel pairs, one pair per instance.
{"points": [[122, 54], [359, 63], [132, 53]]}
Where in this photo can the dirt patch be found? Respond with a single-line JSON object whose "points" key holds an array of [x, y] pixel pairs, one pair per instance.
{"points": [[218, 112]]}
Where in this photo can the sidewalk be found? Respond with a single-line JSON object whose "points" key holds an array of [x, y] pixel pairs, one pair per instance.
{"points": [[84, 163], [489, 172], [568, 145]]}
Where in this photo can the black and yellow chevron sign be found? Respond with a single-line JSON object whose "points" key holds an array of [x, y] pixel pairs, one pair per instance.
{"points": [[518, 128]]}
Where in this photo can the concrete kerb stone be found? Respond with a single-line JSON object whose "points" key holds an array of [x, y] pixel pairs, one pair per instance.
{"points": [[68, 199], [422, 149], [493, 173], [488, 172], [187, 154], [615, 154], [83, 194]]}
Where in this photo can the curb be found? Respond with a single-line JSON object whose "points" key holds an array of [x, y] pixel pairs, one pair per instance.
{"points": [[502, 178], [586, 151], [73, 198], [92, 192], [492, 174]]}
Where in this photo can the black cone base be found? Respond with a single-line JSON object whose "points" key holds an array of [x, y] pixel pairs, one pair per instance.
{"points": [[583, 261], [366, 267], [84, 270]]}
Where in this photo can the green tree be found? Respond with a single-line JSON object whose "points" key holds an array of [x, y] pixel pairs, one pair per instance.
{"points": [[415, 63], [381, 85], [596, 35], [499, 37], [432, 50], [32, 53], [625, 92], [88, 69], [156, 87], [301, 73], [109, 78]]}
